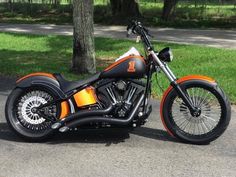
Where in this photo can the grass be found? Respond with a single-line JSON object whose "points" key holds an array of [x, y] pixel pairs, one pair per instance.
{"points": [[186, 15], [21, 54]]}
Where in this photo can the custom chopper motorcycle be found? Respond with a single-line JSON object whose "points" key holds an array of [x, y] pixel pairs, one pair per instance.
{"points": [[194, 108]]}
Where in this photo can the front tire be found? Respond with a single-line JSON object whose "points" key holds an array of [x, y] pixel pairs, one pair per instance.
{"points": [[20, 118], [213, 120]]}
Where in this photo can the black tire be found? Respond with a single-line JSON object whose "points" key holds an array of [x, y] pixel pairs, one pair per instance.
{"points": [[190, 136], [18, 126]]}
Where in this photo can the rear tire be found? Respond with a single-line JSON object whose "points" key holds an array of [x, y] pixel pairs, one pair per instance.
{"points": [[215, 112], [22, 121]]}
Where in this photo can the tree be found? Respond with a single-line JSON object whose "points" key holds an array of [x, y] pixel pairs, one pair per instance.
{"points": [[10, 4], [127, 8], [83, 45], [168, 8]]}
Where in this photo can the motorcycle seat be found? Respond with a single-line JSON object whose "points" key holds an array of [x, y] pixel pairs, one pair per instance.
{"points": [[68, 86]]}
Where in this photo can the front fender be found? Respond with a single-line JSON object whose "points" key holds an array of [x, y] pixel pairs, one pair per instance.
{"points": [[44, 80], [179, 81]]}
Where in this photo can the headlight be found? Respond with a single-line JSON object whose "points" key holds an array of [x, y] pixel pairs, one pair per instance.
{"points": [[166, 55]]}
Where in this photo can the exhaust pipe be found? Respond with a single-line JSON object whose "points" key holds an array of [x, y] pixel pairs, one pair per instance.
{"points": [[81, 114], [114, 121]]}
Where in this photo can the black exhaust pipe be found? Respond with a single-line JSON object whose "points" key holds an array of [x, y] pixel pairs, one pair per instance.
{"points": [[114, 121], [81, 114]]}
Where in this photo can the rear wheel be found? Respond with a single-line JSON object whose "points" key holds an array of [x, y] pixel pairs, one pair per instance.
{"points": [[23, 116], [201, 129]]}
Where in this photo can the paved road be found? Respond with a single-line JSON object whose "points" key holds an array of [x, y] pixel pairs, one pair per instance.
{"points": [[148, 151], [212, 37]]}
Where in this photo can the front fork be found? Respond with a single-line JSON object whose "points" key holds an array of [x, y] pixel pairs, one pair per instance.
{"points": [[164, 67]]}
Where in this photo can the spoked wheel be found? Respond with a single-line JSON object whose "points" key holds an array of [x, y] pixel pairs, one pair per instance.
{"points": [[214, 114], [24, 116]]}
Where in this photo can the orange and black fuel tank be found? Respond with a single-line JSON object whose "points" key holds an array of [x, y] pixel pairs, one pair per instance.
{"points": [[132, 66]]}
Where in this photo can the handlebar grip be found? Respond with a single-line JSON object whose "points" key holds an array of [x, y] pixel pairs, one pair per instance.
{"points": [[133, 26], [136, 27]]}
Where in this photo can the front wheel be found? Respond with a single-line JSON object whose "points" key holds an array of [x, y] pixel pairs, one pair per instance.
{"points": [[215, 112]]}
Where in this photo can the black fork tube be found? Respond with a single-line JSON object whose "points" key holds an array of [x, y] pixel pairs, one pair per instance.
{"points": [[148, 86], [174, 84], [185, 98], [146, 40]]}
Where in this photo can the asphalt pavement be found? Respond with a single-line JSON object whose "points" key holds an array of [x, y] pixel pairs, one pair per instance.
{"points": [[147, 151], [209, 37]]}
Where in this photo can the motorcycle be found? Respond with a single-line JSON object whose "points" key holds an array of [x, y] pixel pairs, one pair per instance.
{"points": [[194, 109]]}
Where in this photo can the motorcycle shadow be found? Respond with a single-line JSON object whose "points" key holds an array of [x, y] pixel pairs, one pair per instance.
{"points": [[103, 136]]}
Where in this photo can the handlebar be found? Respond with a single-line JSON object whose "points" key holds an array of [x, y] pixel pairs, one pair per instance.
{"points": [[137, 28]]}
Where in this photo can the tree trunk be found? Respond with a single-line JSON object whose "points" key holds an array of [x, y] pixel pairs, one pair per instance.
{"points": [[83, 45], [195, 3], [29, 9], [168, 7], [56, 3], [10, 5], [127, 8]]}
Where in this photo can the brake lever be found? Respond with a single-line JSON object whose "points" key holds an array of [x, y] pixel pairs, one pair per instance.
{"points": [[129, 32], [138, 39]]}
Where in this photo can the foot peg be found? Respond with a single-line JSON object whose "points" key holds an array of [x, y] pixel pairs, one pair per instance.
{"points": [[56, 125], [64, 129]]}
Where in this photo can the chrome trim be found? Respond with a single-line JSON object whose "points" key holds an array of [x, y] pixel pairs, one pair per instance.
{"points": [[167, 72], [72, 108], [170, 72], [111, 94], [130, 96]]}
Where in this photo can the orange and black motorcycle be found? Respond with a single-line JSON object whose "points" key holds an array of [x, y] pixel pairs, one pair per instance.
{"points": [[194, 108]]}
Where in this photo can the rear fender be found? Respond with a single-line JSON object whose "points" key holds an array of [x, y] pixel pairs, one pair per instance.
{"points": [[44, 81], [179, 81]]}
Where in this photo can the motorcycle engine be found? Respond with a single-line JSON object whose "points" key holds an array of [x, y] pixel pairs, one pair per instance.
{"points": [[122, 94]]}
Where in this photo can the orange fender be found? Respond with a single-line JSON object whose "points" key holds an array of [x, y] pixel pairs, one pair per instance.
{"points": [[35, 74], [183, 79]]}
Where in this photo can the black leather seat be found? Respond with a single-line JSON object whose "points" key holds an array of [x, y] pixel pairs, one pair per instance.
{"points": [[68, 86]]}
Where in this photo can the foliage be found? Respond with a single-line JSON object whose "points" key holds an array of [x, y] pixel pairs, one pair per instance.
{"points": [[211, 13], [21, 54]]}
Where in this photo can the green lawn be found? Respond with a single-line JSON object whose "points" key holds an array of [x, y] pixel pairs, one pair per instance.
{"points": [[21, 54], [186, 15]]}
